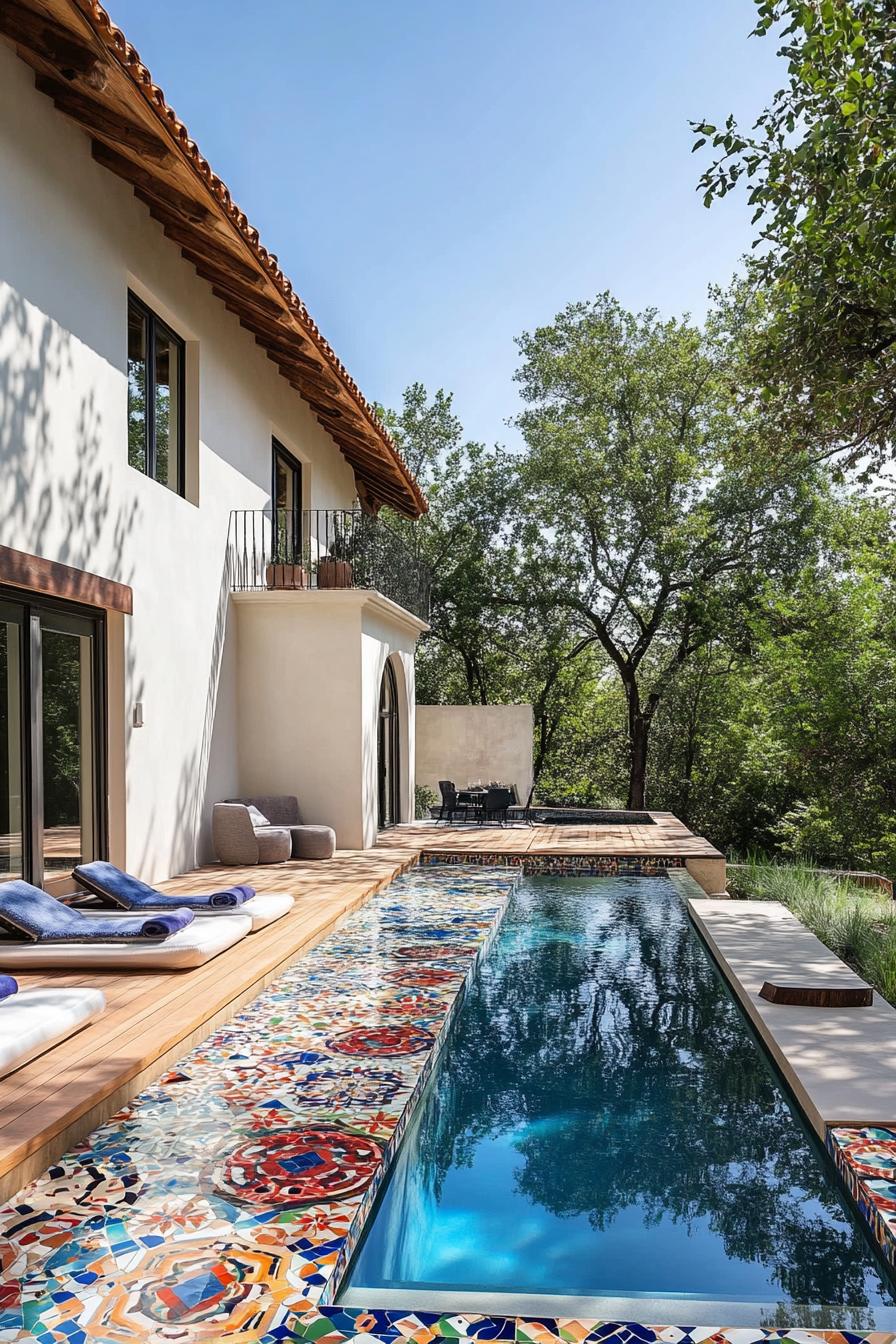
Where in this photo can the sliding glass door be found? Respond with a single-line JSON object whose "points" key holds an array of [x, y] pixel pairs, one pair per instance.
{"points": [[51, 740]]}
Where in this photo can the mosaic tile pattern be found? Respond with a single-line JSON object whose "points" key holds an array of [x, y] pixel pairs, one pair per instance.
{"points": [[866, 1159], [560, 865], [337, 1325], [223, 1201]]}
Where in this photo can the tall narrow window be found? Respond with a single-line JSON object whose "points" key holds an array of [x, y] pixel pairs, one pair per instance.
{"points": [[155, 397], [286, 495]]}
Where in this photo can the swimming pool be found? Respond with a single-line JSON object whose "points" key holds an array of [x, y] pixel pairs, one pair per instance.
{"points": [[603, 1125]]}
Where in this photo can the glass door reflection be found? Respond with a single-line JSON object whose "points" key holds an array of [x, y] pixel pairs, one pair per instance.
{"points": [[68, 716], [12, 840]]}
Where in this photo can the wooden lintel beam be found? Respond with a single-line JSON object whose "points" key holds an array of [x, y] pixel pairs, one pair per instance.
{"points": [[103, 120], [70, 54], [146, 184]]}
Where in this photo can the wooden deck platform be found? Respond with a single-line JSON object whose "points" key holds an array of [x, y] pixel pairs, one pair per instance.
{"points": [[153, 1017]]}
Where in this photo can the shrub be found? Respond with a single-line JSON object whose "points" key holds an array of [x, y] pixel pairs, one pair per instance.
{"points": [[858, 925], [423, 801]]}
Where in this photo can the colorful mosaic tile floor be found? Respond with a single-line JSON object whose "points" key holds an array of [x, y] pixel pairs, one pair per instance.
{"points": [[223, 1204]]}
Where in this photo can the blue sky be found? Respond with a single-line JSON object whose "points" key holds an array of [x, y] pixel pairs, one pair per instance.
{"points": [[437, 176]]}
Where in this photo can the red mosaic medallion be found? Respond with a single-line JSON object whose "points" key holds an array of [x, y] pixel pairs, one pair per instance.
{"points": [[287, 1169], [398, 1040], [422, 977], [435, 952]]}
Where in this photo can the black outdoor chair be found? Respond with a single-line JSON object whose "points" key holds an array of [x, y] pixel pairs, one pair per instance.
{"points": [[497, 802], [450, 805]]}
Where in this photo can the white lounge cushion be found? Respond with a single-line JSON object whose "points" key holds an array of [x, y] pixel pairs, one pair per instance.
{"points": [[35, 1019], [263, 909], [192, 946], [257, 818]]}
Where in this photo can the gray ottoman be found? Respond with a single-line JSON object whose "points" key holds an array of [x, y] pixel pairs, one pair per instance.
{"points": [[313, 842], [274, 844]]}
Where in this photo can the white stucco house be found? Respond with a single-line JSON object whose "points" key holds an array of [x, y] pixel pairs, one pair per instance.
{"points": [[199, 595]]}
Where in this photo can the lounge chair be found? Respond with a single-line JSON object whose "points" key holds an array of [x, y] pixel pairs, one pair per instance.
{"points": [[127, 894], [267, 828], [41, 931], [34, 1020], [26, 912]]}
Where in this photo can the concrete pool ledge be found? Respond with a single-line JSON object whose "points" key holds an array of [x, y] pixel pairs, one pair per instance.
{"points": [[840, 1062]]}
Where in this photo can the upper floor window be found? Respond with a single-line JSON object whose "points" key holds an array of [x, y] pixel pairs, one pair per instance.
{"points": [[155, 397]]}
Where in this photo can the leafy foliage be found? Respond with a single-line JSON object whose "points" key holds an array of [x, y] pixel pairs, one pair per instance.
{"points": [[820, 169], [655, 515], [858, 924]]}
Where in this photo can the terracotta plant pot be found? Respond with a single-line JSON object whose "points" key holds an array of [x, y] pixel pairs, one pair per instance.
{"points": [[333, 573], [286, 576]]}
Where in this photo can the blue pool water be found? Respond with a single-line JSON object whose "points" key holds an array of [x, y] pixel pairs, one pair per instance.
{"points": [[602, 1123]]}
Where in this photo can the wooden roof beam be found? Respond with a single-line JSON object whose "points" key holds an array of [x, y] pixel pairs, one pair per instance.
{"points": [[72, 56], [146, 184], [102, 120], [240, 307]]}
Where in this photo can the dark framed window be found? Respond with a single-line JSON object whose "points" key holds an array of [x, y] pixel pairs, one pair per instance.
{"points": [[286, 498], [52, 737], [155, 397]]}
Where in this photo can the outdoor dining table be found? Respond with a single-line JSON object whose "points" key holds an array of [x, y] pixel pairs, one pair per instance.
{"points": [[475, 799]]}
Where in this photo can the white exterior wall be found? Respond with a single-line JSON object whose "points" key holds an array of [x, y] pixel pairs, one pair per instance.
{"points": [[466, 743], [73, 238], [310, 666]]}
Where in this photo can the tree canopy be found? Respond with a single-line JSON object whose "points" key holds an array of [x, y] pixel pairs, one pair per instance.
{"points": [[653, 515], [820, 169]]}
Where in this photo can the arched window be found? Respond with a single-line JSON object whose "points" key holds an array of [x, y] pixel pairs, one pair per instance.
{"points": [[388, 753]]}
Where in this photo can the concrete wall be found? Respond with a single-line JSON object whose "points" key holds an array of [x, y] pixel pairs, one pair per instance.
{"points": [[466, 743], [73, 239], [309, 667]]}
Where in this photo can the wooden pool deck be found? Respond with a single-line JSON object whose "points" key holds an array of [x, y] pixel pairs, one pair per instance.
{"points": [[153, 1017]]}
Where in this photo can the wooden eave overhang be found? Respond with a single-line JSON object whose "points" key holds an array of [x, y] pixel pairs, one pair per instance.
{"points": [[93, 74]]}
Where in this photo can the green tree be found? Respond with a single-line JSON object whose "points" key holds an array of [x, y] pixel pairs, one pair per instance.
{"points": [[489, 642], [658, 518], [820, 164]]}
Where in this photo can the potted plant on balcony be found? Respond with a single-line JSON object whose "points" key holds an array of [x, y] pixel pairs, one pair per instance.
{"points": [[334, 570], [284, 569]]}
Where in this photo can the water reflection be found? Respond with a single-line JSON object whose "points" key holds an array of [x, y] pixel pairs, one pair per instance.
{"points": [[603, 1123]]}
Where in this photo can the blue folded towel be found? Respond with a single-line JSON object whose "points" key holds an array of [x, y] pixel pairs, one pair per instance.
{"points": [[8, 987], [129, 893], [28, 910]]}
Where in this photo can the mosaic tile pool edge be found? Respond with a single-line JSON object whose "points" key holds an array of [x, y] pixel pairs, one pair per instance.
{"points": [[197, 1198], [341, 1325], [390, 1148], [558, 865], [865, 1157]]}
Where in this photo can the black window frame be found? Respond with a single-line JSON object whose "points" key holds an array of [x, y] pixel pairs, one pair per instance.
{"points": [[36, 612], [153, 324], [289, 550]]}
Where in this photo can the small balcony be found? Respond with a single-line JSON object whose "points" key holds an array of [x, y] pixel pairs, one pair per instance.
{"points": [[325, 549]]}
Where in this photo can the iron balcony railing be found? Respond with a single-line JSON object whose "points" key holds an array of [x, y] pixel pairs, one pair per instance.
{"points": [[325, 548]]}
